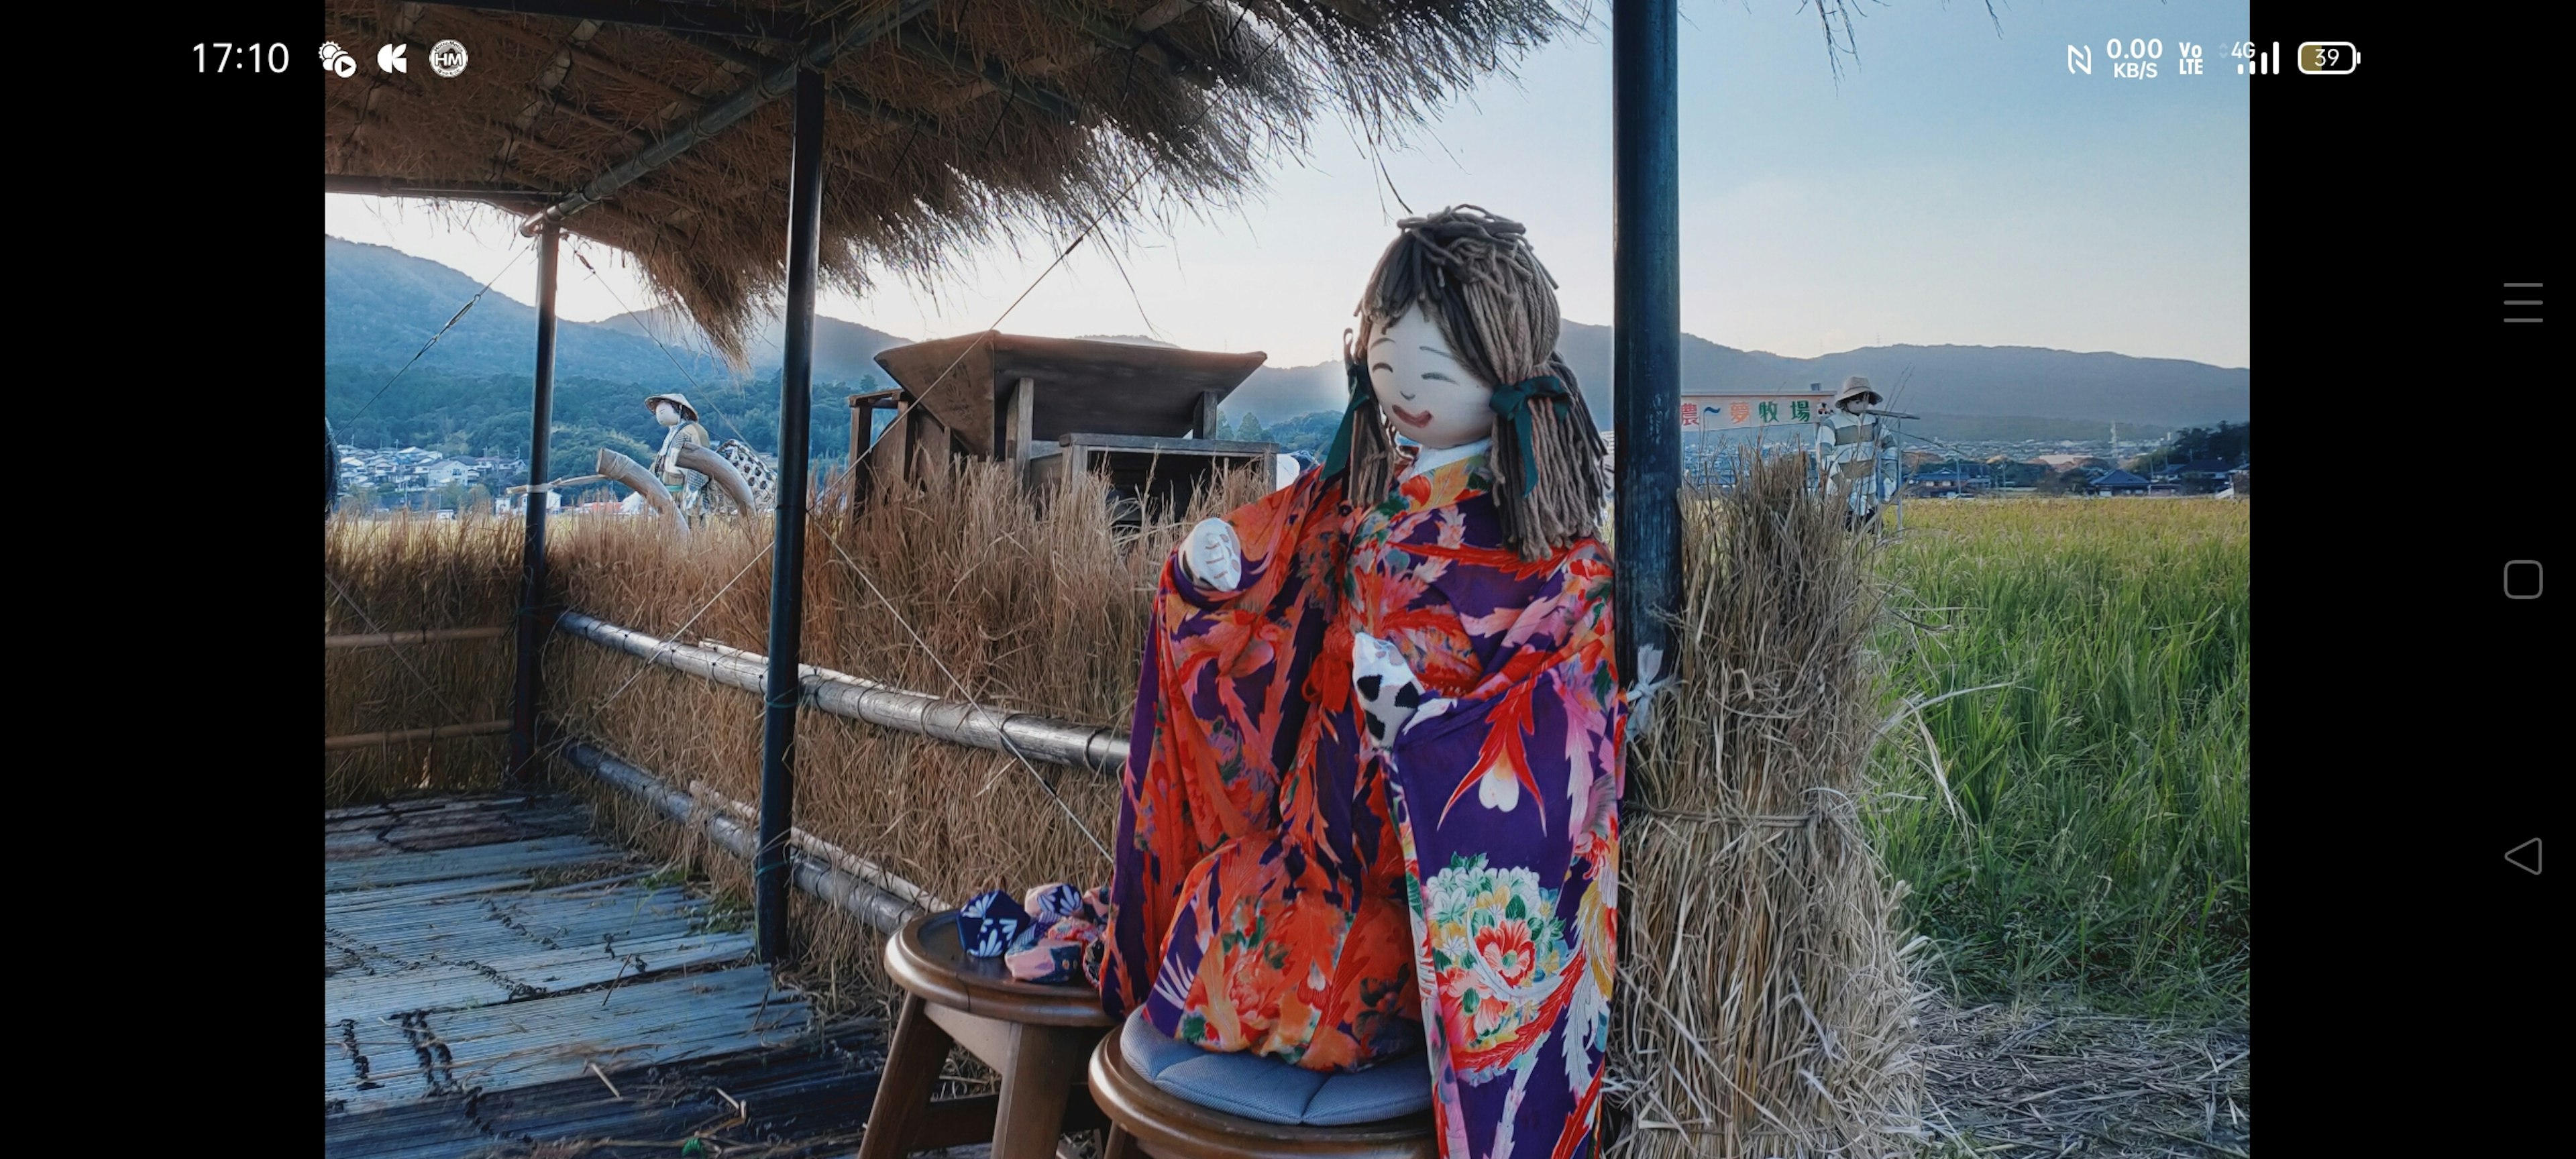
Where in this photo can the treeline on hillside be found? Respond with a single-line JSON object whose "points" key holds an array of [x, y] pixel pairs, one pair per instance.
{"points": [[2227, 443], [1311, 432], [467, 415]]}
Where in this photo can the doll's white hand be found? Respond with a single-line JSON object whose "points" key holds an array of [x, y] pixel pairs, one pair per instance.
{"points": [[1391, 698], [1213, 556]]}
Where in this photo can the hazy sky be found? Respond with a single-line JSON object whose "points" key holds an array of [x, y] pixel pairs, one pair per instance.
{"points": [[1956, 185]]}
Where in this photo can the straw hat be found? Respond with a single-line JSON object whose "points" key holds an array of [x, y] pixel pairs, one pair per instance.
{"points": [[678, 401], [1855, 387]]}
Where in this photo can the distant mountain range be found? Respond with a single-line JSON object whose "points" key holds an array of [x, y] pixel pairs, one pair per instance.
{"points": [[2069, 390], [380, 305]]}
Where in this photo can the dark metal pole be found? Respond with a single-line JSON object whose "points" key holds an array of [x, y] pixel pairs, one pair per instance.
{"points": [[785, 687], [532, 568], [1646, 355]]}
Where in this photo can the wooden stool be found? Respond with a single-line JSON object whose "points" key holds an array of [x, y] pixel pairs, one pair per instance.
{"points": [[1036, 1036], [1144, 1117]]}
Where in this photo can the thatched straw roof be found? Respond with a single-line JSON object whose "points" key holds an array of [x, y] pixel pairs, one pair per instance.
{"points": [[951, 122], [1084, 385]]}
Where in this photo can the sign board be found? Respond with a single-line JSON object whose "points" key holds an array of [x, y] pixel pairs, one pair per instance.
{"points": [[1716, 412]]}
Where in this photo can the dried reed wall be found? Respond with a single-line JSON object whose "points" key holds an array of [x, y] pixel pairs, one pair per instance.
{"points": [[406, 574]]}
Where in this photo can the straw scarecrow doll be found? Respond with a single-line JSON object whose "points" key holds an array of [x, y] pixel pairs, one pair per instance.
{"points": [[681, 421], [1372, 801], [1848, 446]]}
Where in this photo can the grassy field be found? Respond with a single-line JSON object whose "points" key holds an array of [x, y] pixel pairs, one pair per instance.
{"points": [[2096, 832]]}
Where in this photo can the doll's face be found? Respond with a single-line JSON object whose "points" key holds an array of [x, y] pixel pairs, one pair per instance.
{"points": [[1422, 388], [666, 414]]}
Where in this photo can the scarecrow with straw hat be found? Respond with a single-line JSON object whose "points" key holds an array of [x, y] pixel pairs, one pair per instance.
{"points": [[1848, 445], [673, 411], [1372, 802]]}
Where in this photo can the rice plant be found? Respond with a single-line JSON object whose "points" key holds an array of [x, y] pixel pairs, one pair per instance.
{"points": [[2084, 820]]}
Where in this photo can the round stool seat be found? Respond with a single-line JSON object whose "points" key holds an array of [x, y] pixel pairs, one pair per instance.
{"points": [[926, 958], [1036, 1037], [1170, 1126]]}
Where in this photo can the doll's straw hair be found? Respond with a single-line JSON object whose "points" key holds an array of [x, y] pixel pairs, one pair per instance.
{"points": [[1496, 306]]}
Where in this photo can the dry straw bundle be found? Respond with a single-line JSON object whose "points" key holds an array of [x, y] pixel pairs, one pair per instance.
{"points": [[1764, 1006], [407, 574]]}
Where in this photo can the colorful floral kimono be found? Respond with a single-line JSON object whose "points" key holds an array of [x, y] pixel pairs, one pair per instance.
{"points": [[1287, 886]]}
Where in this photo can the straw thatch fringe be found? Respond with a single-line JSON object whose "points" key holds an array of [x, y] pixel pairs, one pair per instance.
{"points": [[1765, 1006], [928, 156]]}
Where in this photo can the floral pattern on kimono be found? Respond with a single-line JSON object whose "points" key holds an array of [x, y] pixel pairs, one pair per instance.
{"points": [[1268, 851]]}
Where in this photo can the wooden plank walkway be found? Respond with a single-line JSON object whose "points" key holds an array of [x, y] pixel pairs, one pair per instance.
{"points": [[495, 982]]}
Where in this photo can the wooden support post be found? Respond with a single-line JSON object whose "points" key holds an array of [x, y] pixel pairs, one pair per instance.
{"points": [[1018, 426], [891, 461], [1205, 426], [784, 688], [932, 444], [861, 418], [1646, 348], [522, 751]]}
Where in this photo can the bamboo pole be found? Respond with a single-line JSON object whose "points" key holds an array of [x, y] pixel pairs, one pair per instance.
{"points": [[816, 866], [955, 721], [424, 636], [360, 740], [859, 867]]}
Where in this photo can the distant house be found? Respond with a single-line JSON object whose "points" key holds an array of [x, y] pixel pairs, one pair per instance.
{"points": [[2067, 462], [446, 471], [1947, 480], [2117, 482]]}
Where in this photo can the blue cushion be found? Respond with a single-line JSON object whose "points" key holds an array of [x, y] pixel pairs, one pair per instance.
{"points": [[1273, 1091]]}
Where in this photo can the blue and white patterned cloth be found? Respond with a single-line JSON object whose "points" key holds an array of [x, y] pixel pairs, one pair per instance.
{"points": [[989, 922]]}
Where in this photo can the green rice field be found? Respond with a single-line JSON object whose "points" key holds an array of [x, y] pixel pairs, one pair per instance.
{"points": [[2096, 831]]}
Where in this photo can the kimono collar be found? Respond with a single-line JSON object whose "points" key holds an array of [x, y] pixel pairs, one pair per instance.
{"points": [[1433, 458]]}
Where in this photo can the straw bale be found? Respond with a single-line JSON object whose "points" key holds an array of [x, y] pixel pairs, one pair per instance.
{"points": [[1764, 1006]]}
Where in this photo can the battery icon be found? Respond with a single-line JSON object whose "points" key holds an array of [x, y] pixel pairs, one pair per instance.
{"points": [[2329, 57]]}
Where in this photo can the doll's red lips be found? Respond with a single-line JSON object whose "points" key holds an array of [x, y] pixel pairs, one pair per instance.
{"points": [[1412, 418]]}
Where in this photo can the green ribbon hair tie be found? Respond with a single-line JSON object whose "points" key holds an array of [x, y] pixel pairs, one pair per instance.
{"points": [[1508, 406], [1338, 459]]}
